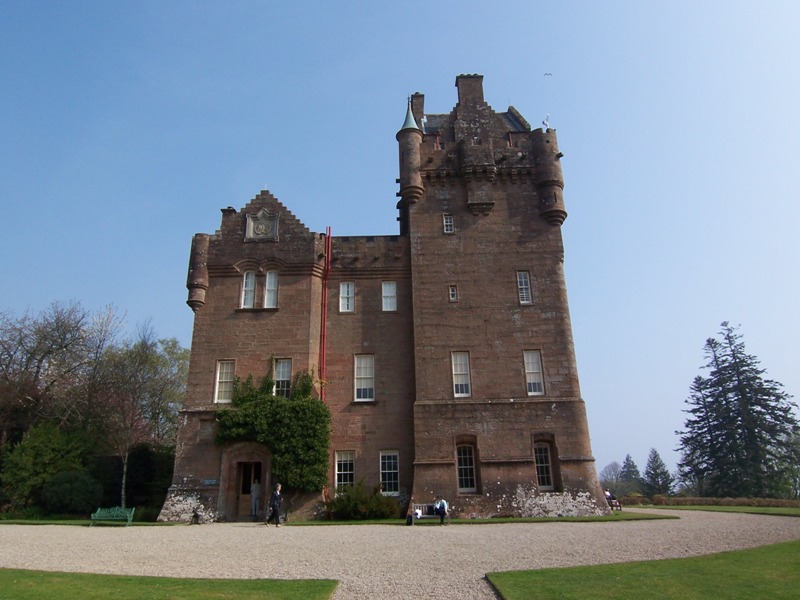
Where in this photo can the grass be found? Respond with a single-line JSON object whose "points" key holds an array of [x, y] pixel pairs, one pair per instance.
{"points": [[766, 572], [33, 585], [752, 510]]}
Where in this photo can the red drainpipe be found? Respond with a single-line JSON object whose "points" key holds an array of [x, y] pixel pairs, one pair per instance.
{"points": [[323, 329]]}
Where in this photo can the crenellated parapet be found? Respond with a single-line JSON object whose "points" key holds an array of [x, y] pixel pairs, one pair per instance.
{"points": [[478, 149]]}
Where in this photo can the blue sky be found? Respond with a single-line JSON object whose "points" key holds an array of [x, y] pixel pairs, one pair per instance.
{"points": [[126, 126]]}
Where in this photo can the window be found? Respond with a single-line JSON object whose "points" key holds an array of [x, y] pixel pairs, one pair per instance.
{"points": [[453, 293], [347, 297], [390, 472], [524, 287], [533, 372], [283, 376], [448, 224], [248, 289], [466, 469], [365, 377], [345, 469], [225, 375], [460, 362], [271, 291], [389, 295], [544, 470]]}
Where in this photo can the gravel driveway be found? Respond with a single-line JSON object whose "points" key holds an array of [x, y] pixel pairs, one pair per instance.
{"points": [[380, 561]]}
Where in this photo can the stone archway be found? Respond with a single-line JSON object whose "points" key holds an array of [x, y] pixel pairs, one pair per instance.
{"points": [[235, 460]]}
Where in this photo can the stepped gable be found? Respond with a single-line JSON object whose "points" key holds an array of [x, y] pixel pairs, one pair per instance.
{"points": [[263, 232]]}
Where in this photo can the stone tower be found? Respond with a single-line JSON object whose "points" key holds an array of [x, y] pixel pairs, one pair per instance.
{"points": [[499, 422], [446, 350]]}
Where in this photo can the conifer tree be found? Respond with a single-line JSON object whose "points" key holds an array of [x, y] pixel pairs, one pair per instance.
{"points": [[657, 478], [629, 477], [738, 434]]}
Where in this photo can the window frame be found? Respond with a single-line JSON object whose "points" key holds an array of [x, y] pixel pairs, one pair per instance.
{"points": [[224, 385], [271, 289], [361, 362], [282, 381], [347, 297], [448, 224], [342, 459], [466, 472], [524, 288], [390, 477], [544, 469], [452, 293], [389, 296], [247, 298], [531, 360], [461, 377]]}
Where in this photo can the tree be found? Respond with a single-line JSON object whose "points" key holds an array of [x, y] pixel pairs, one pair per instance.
{"points": [[144, 384], [657, 478], [295, 429], [44, 452], [610, 477], [629, 477], [738, 437]]}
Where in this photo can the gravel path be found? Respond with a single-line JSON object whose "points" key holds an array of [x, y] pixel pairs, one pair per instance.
{"points": [[380, 561]]}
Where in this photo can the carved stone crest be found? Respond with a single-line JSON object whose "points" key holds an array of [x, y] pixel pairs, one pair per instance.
{"points": [[262, 226]]}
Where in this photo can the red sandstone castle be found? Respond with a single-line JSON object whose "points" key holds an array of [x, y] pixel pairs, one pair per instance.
{"points": [[445, 349]]}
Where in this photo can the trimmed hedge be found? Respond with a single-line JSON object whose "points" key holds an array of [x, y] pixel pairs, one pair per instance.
{"points": [[693, 501]]}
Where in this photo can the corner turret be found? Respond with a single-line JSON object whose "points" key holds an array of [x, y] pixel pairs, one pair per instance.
{"points": [[549, 179], [197, 280], [409, 139]]}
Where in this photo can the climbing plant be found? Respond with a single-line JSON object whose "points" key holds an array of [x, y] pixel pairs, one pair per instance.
{"points": [[295, 429]]}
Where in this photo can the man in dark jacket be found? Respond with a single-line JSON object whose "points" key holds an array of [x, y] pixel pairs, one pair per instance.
{"points": [[275, 506]]}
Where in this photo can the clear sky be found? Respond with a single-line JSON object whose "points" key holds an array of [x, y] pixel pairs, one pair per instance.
{"points": [[125, 126]]}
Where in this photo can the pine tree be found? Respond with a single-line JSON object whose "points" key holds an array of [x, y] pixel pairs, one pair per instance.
{"points": [[657, 478], [737, 437], [629, 477]]}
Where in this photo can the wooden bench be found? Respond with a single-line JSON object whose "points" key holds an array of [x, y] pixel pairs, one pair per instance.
{"points": [[116, 513]]}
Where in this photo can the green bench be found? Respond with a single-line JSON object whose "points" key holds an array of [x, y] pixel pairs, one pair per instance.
{"points": [[116, 513]]}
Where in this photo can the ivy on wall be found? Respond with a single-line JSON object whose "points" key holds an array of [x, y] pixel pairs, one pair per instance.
{"points": [[295, 429]]}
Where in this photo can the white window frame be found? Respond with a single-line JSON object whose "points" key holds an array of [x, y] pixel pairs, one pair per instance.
{"points": [[452, 292], [248, 299], [534, 378], [465, 466], [223, 381], [345, 468], [462, 387], [524, 287], [390, 472], [389, 296], [271, 290], [283, 377], [364, 378], [448, 223], [347, 297], [543, 457]]}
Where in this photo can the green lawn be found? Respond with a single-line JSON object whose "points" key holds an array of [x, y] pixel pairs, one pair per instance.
{"points": [[766, 572], [34, 585]]}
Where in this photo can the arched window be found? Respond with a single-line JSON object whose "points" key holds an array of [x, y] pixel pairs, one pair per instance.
{"points": [[271, 292], [467, 480], [248, 289]]}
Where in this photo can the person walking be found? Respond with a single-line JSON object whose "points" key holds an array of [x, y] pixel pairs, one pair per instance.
{"points": [[275, 506], [440, 508]]}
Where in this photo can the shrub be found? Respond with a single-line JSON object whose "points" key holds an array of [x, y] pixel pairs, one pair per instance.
{"points": [[355, 503], [71, 492]]}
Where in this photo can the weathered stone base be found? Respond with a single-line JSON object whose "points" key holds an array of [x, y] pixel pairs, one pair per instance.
{"points": [[530, 503], [184, 506]]}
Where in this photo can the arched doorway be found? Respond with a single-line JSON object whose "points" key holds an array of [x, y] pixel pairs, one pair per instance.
{"points": [[243, 464]]}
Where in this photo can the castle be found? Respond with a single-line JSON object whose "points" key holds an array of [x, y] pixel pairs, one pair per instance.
{"points": [[446, 349]]}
